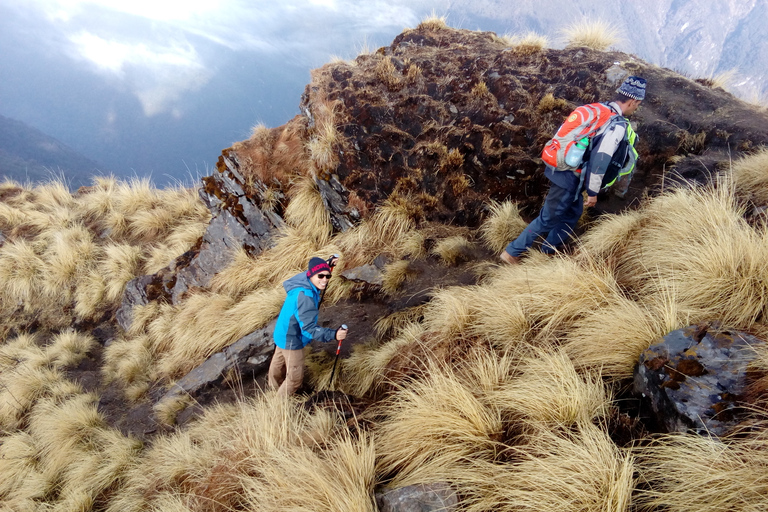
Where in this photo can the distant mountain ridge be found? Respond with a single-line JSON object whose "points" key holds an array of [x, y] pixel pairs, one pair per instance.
{"points": [[698, 38], [27, 155]]}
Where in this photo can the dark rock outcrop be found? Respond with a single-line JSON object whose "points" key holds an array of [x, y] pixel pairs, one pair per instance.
{"points": [[437, 497], [448, 119], [250, 354], [238, 221], [697, 379]]}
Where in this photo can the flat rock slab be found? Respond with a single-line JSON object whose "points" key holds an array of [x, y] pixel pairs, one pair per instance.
{"points": [[250, 353], [437, 497], [697, 379]]}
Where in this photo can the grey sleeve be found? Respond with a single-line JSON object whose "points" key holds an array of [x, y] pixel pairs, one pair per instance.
{"points": [[306, 313], [601, 156]]}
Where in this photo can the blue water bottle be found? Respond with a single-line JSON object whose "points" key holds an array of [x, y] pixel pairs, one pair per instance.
{"points": [[575, 154]]}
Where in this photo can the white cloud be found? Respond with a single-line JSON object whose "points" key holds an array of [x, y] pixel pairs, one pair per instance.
{"points": [[157, 75], [162, 49]]}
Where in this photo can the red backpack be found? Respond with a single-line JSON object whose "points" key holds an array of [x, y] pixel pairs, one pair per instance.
{"points": [[586, 121]]}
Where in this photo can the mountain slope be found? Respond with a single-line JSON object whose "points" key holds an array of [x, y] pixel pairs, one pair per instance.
{"points": [[28, 155]]}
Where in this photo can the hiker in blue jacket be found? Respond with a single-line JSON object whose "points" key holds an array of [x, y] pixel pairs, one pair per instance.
{"points": [[564, 204], [297, 326]]}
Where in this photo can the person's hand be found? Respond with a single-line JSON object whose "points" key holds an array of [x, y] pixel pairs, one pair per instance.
{"points": [[341, 334], [332, 261], [590, 201]]}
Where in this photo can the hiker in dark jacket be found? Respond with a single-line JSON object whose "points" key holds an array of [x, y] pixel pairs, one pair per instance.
{"points": [[297, 326], [564, 204]]}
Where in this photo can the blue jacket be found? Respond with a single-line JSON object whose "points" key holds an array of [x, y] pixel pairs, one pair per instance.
{"points": [[297, 323]]}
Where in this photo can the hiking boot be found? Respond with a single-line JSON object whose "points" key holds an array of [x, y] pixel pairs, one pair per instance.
{"points": [[508, 258]]}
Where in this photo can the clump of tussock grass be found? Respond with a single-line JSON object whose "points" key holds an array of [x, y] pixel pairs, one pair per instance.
{"points": [[593, 34], [325, 138], [393, 323], [581, 470], [183, 336], [550, 392], [64, 261], [364, 372], [388, 74], [529, 43], [266, 454], [548, 103], [395, 274], [432, 424], [750, 177], [686, 473], [69, 348], [538, 300], [696, 242], [503, 225], [17, 463], [383, 231], [131, 363], [307, 213], [722, 80], [454, 250], [433, 23], [79, 456], [612, 338]]}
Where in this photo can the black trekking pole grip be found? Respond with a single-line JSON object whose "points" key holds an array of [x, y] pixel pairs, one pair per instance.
{"points": [[338, 350]]}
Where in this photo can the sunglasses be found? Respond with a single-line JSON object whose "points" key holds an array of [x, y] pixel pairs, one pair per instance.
{"points": [[324, 276]]}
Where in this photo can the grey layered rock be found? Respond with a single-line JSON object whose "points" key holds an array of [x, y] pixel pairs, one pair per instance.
{"points": [[366, 274], [237, 221], [249, 354], [335, 199], [435, 497], [697, 379]]}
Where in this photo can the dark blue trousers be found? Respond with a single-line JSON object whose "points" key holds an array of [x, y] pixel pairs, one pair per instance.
{"points": [[558, 217]]}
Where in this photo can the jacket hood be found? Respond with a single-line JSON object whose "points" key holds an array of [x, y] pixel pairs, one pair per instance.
{"points": [[300, 280]]}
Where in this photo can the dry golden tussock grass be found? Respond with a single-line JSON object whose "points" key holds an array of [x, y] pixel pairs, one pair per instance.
{"points": [[593, 34], [502, 225], [552, 294], [548, 103], [20, 271], [183, 336], [394, 323], [388, 74], [612, 338], [687, 473], [325, 138], [386, 229], [433, 23], [395, 274], [550, 393], [364, 370], [723, 80], [432, 425], [68, 348], [581, 470], [696, 243], [527, 44], [307, 213], [450, 311], [454, 250], [750, 177], [266, 454]]}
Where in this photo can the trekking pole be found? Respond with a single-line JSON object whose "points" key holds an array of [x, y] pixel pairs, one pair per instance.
{"points": [[331, 263], [338, 349]]}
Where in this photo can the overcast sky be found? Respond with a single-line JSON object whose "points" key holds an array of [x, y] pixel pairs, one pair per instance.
{"points": [[160, 87]]}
